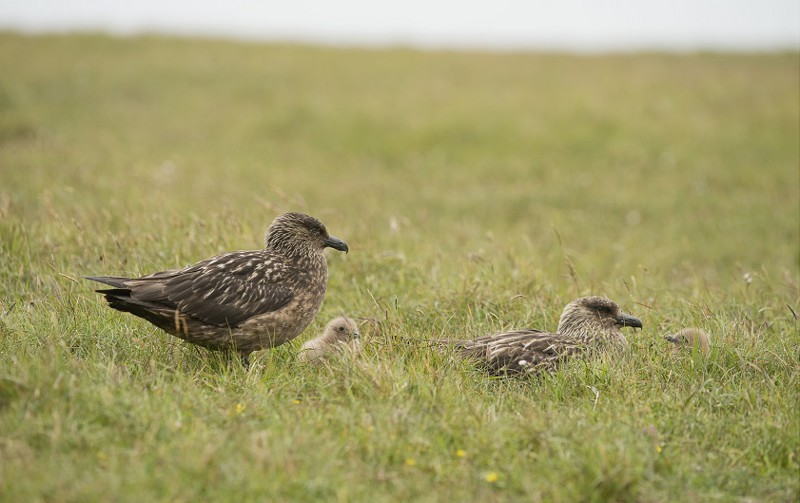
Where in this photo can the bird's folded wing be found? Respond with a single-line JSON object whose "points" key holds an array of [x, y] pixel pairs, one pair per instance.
{"points": [[532, 347], [221, 291]]}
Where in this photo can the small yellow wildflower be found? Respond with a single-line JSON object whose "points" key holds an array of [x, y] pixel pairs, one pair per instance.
{"points": [[296, 402], [239, 408], [658, 448], [460, 453], [491, 477], [410, 462]]}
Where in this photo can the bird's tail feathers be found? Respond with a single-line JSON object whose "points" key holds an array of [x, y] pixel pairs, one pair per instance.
{"points": [[121, 299], [109, 280]]}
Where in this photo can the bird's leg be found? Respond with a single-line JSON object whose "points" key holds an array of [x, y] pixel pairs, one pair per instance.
{"points": [[245, 360]]}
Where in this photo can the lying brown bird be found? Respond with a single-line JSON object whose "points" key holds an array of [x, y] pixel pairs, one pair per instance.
{"points": [[587, 325], [241, 301], [340, 335], [691, 338]]}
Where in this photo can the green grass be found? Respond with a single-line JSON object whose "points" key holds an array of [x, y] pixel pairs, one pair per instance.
{"points": [[477, 192]]}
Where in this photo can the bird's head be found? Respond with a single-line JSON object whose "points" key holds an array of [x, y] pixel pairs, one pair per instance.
{"points": [[300, 234], [341, 329], [595, 318], [691, 338]]}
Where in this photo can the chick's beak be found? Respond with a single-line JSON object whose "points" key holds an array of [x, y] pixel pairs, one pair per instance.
{"points": [[336, 244], [626, 320], [671, 339]]}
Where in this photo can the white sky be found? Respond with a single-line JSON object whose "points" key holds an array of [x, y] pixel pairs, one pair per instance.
{"points": [[582, 25]]}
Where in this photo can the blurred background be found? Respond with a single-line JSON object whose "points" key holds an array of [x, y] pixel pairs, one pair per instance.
{"points": [[575, 25], [576, 133]]}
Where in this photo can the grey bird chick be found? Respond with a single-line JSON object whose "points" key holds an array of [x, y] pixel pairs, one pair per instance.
{"points": [[241, 301], [340, 335], [588, 324], [689, 338]]}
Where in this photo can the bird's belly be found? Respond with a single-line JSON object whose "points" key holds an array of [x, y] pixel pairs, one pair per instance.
{"points": [[273, 329]]}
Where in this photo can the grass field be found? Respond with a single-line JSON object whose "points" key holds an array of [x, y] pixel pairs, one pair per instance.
{"points": [[477, 192]]}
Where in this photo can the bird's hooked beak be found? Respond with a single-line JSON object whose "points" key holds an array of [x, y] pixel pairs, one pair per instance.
{"points": [[626, 320], [336, 244]]}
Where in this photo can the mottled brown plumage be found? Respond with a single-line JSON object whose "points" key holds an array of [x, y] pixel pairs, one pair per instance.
{"points": [[241, 301], [340, 335], [588, 324], [689, 338]]}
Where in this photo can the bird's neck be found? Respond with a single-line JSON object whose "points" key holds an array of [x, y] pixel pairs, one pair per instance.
{"points": [[591, 333], [299, 254]]}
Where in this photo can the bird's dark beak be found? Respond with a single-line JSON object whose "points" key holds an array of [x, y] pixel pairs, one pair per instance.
{"points": [[626, 320], [336, 244], [671, 339]]}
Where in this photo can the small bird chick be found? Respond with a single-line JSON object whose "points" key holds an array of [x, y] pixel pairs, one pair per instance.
{"points": [[690, 338], [340, 335]]}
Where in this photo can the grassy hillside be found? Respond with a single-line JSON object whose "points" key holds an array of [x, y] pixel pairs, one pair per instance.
{"points": [[477, 192]]}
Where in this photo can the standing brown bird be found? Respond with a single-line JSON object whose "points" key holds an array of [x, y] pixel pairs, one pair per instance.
{"points": [[340, 335], [690, 338], [587, 324], [241, 301]]}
